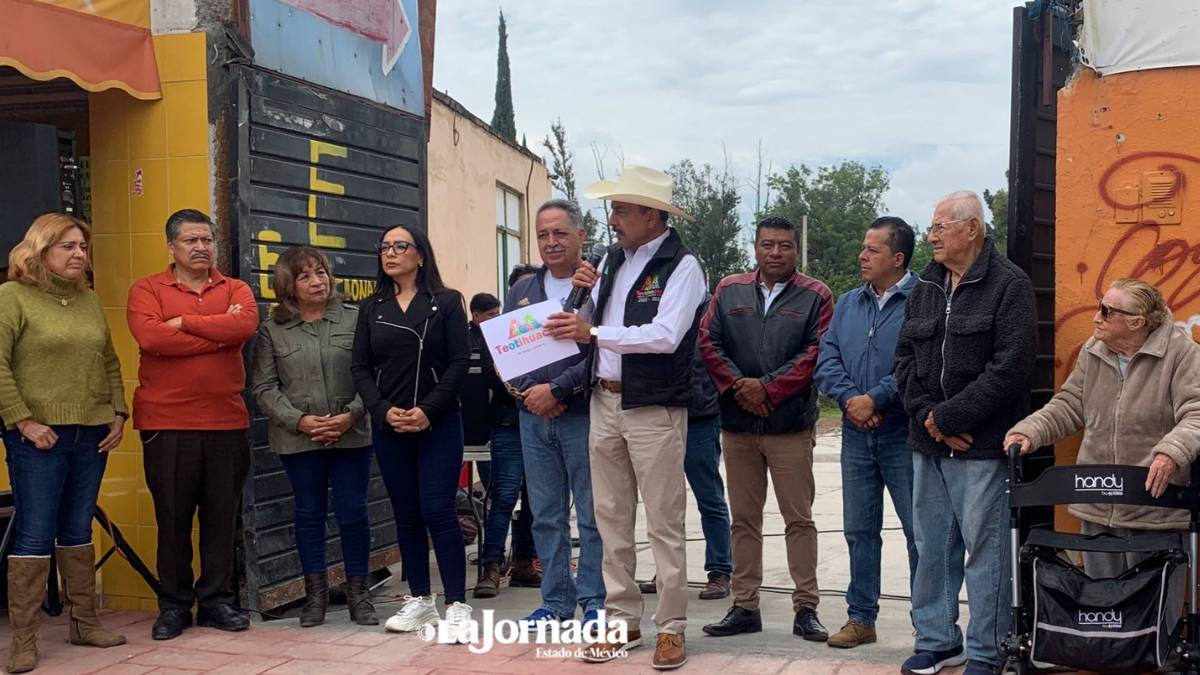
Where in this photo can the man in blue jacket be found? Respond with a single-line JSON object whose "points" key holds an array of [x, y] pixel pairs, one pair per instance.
{"points": [[554, 432], [857, 369]]}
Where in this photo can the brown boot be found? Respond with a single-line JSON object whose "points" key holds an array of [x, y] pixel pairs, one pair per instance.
{"points": [[603, 651], [717, 587], [358, 601], [316, 599], [670, 652], [78, 567], [526, 574], [853, 634], [26, 587], [488, 585]]}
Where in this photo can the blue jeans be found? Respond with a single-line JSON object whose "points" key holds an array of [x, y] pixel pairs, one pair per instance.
{"points": [[505, 480], [557, 467], [55, 490], [701, 464], [870, 462], [421, 472], [960, 507], [348, 471]]}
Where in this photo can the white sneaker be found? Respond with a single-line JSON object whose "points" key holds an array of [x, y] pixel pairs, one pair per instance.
{"points": [[458, 621], [414, 613]]}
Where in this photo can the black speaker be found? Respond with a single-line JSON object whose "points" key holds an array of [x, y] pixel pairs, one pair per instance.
{"points": [[30, 179]]}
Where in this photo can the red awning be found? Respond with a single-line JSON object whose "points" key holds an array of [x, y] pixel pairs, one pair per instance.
{"points": [[98, 44]]}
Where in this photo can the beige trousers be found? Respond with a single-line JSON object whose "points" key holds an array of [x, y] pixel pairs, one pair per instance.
{"points": [[789, 459], [631, 448]]}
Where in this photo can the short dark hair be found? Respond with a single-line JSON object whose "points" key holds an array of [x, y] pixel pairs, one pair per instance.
{"points": [[520, 270], [176, 220], [663, 216], [483, 302], [776, 223], [901, 238]]}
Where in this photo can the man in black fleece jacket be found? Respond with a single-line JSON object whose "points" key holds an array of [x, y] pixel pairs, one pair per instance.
{"points": [[963, 365]]}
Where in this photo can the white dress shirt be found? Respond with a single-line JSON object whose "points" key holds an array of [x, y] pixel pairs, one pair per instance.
{"points": [[769, 294], [684, 292], [881, 300]]}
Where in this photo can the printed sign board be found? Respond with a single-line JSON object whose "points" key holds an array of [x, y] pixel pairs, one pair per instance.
{"points": [[518, 342]]}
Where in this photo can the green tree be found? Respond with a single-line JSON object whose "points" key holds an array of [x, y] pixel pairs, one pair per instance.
{"points": [[922, 252], [840, 201], [997, 203], [711, 198], [562, 172], [503, 119]]}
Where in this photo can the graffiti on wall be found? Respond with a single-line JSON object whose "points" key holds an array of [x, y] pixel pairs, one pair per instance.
{"points": [[1167, 256]]}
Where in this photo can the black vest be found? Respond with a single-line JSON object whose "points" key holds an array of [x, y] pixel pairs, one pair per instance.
{"points": [[651, 379]]}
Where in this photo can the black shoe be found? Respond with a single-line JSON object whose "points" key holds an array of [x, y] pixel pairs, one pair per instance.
{"points": [[223, 617], [808, 626], [737, 621], [170, 623]]}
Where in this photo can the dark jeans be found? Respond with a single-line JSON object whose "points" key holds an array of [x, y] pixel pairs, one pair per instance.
{"points": [[55, 490], [506, 482], [421, 472], [870, 462], [347, 470], [701, 464], [190, 472]]}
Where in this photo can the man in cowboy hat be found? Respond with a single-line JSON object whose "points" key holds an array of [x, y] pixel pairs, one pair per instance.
{"points": [[645, 329]]}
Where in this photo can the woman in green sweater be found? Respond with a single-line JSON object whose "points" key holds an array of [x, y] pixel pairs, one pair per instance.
{"points": [[62, 408]]}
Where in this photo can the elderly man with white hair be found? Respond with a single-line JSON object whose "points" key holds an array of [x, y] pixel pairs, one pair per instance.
{"points": [[963, 364]]}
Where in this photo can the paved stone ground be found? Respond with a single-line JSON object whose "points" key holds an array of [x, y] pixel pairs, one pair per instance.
{"points": [[340, 647]]}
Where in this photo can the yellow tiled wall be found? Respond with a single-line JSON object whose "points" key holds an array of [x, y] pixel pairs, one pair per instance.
{"points": [[167, 141]]}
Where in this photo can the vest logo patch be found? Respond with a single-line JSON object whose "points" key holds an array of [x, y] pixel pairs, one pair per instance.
{"points": [[650, 290], [523, 302]]}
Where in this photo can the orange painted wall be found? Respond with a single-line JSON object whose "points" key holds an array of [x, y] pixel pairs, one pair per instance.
{"points": [[1111, 132]]}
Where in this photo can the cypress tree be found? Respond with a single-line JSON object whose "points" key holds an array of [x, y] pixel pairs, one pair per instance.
{"points": [[503, 119]]}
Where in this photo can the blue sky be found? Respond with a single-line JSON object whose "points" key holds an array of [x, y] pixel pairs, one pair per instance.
{"points": [[920, 87]]}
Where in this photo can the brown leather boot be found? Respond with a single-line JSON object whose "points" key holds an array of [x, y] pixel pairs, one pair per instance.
{"points": [[718, 587], [488, 585], [78, 567], [526, 574], [26, 587], [358, 601], [853, 634], [316, 600]]}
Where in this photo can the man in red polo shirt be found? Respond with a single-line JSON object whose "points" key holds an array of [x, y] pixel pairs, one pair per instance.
{"points": [[191, 322]]}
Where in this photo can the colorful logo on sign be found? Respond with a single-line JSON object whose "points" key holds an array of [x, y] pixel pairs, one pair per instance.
{"points": [[650, 290], [526, 325]]}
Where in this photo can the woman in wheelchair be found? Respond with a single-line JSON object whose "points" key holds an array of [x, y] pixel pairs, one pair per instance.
{"points": [[1135, 393]]}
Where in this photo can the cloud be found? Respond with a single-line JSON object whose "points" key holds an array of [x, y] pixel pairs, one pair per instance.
{"points": [[920, 87]]}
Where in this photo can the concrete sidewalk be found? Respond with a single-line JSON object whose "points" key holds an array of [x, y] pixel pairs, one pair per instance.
{"points": [[340, 647]]}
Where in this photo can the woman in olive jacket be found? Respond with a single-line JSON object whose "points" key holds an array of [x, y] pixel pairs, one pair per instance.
{"points": [[411, 354], [318, 424]]}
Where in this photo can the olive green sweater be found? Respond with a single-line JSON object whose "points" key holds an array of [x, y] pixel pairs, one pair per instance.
{"points": [[57, 363]]}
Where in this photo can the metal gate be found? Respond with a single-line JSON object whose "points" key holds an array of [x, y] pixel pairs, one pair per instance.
{"points": [[1040, 67], [322, 168]]}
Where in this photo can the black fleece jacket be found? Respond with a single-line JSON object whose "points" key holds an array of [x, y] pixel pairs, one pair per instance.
{"points": [[968, 357]]}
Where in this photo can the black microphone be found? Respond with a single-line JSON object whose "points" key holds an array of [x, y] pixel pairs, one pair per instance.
{"points": [[579, 294]]}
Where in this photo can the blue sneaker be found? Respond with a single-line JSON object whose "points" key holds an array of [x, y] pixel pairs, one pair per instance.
{"points": [[539, 615], [928, 663], [979, 668], [591, 615]]}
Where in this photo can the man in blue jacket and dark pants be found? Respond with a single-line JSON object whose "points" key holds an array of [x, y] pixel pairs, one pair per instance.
{"points": [[554, 432], [856, 368]]}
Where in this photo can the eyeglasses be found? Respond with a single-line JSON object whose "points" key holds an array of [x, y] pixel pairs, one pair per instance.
{"points": [[398, 247], [936, 228], [1106, 311]]}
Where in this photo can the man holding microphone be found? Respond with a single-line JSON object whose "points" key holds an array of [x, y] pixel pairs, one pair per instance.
{"points": [[645, 329]]}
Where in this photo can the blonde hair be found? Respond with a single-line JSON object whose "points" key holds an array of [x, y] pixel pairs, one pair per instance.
{"points": [[1147, 301], [26, 262]]}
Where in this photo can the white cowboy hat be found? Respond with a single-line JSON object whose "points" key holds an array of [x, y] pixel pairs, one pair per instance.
{"points": [[638, 185]]}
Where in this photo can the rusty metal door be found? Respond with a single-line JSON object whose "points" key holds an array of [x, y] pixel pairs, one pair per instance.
{"points": [[322, 168]]}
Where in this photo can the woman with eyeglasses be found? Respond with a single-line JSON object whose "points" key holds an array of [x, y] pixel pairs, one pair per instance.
{"points": [[411, 354], [62, 404], [1135, 394], [318, 425]]}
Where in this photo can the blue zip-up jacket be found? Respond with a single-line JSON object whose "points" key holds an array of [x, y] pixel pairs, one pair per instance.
{"points": [[858, 352], [569, 374]]}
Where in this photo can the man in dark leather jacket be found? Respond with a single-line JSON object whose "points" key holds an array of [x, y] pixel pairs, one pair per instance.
{"points": [[963, 362], [759, 340]]}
